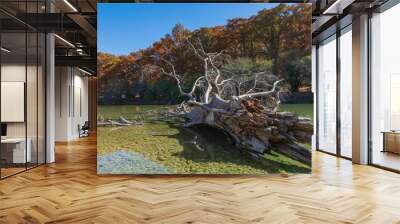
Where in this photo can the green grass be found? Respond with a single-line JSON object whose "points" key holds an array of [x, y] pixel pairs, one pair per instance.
{"points": [[129, 112], [135, 111], [168, 144], [304, 110]]}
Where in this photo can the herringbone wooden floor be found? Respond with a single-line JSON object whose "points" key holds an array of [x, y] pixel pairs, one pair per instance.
{"points": [[70, 191]]}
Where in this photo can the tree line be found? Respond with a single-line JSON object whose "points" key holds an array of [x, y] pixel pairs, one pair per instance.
{"points": [[275, 41]]}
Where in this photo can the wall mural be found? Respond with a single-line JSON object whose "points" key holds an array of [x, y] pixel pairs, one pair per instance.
{"points": [[204, 88]]}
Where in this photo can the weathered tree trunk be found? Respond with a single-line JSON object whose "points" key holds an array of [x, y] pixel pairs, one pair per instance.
{"points": [[252, 126], [255, 128]]}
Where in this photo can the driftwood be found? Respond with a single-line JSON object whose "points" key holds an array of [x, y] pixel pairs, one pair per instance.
{"points": [[254, 128], [233, 105], [120, 122]]}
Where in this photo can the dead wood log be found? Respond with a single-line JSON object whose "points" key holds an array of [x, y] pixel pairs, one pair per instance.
{"points": [[255, 128]]}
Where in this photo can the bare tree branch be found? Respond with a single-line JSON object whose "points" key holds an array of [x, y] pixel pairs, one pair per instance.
{"points": [[209, 109], [254, 85], [257, 94], [195, 50], [178, 80], [278, 101], [221, 82]]}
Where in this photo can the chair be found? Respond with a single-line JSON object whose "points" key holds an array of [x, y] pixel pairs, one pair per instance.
{"points": [[84, 130]]}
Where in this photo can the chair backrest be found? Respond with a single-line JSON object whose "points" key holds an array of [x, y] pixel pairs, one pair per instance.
{"points": [[86, 125]]}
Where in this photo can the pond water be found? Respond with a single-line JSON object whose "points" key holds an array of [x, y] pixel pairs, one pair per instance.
{"points": [[165, 147]]}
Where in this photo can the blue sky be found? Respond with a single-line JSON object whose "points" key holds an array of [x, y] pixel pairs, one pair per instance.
{"points": [[124, 28]]}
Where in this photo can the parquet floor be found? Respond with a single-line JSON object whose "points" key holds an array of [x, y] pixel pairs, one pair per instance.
{"points": [[69, 191]]}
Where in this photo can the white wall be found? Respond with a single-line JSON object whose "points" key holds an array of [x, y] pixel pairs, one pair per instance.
{"points": [[12, 73], [80, 111], [33, 126], [62, 81], [13, 101], [71, 103]]}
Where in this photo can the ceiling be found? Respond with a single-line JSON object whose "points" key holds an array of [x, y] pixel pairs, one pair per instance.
{"points": [[328, 15], [73, 21]]}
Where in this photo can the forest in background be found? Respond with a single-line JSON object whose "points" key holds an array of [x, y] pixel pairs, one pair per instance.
{"points": [[275, 41]]}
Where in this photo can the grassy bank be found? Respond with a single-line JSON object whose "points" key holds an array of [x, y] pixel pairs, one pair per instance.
{"points": [[168, 144]]}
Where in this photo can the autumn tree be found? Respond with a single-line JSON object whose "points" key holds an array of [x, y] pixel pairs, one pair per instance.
{"points": [[279, 37]]}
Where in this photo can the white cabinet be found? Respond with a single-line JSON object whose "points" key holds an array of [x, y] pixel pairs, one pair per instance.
{"points": [[17, 145]]}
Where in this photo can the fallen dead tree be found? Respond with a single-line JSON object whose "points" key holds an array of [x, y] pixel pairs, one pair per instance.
{"points": [[241, 106], [120, 122]]}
